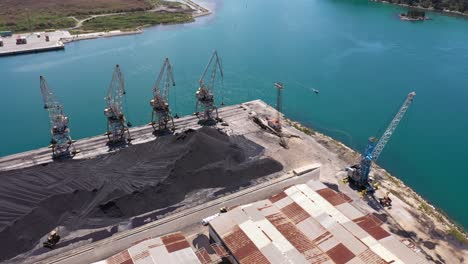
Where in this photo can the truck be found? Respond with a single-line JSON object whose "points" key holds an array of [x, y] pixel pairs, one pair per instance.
{"points": [[6, 34], [21, 40]]}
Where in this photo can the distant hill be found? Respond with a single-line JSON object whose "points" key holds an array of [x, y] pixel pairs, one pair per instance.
{"points": [[452, 5]]}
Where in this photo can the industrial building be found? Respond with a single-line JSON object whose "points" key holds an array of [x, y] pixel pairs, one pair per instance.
{"points": [[173, 248], [308, 223]]}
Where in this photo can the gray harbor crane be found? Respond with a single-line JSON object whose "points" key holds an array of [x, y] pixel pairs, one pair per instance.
{"points": [[117, 126], [206, 109], [60, 141], [161, 114]]}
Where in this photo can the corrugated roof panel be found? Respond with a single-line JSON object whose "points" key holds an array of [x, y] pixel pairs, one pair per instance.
{"points": [[159, 255], [223, 225], [371, 225], [253, 214], [291, 190], [303, 201], [283, 202], [293, 235], [348, 240], [369, 257], [295, 213], [311, 228], [327, 242], [340, 254], [331, 196], [256, 257], [278, 239], [120, 258], [316, 185], [277, 197], [385, 253], [356, 230], [326, 220], [349, 211], [403, 252], [294, 257], [255, 234], [242, 247], [322, 203], [182, 256], [356, 260], [175, 242], [142, 258], [273, 254]]}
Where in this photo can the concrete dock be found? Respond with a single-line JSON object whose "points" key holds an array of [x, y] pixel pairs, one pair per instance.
{"points": [[404, 220], [35, 42]]}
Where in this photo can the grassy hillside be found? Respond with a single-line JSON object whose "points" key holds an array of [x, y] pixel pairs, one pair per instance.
{"points": [[35, 15]]}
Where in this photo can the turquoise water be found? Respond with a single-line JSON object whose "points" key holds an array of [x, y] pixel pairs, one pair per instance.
{"points": [[358, 54]]}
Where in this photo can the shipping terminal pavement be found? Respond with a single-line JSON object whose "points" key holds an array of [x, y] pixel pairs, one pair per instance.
{"points": [[104, 200]]}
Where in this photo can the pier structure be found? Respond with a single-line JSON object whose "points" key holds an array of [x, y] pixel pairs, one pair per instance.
{"points": [[33, 42]]}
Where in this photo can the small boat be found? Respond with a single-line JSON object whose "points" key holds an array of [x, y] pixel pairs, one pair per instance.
{"points": [[315, 91]]}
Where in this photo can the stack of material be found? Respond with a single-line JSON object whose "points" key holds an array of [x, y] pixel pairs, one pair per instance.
{"points": [[105, 190]]}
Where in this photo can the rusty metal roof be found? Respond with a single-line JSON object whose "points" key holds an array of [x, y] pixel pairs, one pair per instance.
{"points": [[172, 248], [306, 223], [371, 225]]}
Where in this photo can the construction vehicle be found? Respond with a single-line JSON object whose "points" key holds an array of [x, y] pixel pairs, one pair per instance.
{"points": [[61, 142], [386, 201], [117, 125], [206, 109], [161, 114], [52, 239], [358, 174]]}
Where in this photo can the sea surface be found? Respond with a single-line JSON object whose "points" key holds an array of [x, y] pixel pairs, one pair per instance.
{"points": [[361, 57]]}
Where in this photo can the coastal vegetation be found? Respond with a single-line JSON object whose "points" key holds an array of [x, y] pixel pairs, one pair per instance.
{"points": [[460, 6], [134, 20], [34, 15]]}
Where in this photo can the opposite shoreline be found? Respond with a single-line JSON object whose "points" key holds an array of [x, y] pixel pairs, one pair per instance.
{"points": [[444, 11]]}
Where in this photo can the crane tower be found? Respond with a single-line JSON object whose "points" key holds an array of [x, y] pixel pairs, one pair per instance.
{"points": [[61, 142], [161, 114], [359, 173], [205, 93], [117, 126]]}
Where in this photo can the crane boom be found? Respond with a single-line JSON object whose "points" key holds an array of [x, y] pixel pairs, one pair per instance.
{"points": [[61, 142], [391, 128], [359, 174], [205, 93], [161, 113], [117, 127], [215, 66]]}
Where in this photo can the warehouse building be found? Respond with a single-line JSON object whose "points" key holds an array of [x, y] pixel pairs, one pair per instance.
{"points": [[308, 223], [173, 248]]}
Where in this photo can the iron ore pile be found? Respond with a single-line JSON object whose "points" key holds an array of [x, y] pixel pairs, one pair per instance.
{"points": [[99, 192]]}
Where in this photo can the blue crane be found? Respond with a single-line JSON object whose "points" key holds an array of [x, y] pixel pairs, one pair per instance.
{"points": [[359, 173]]}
